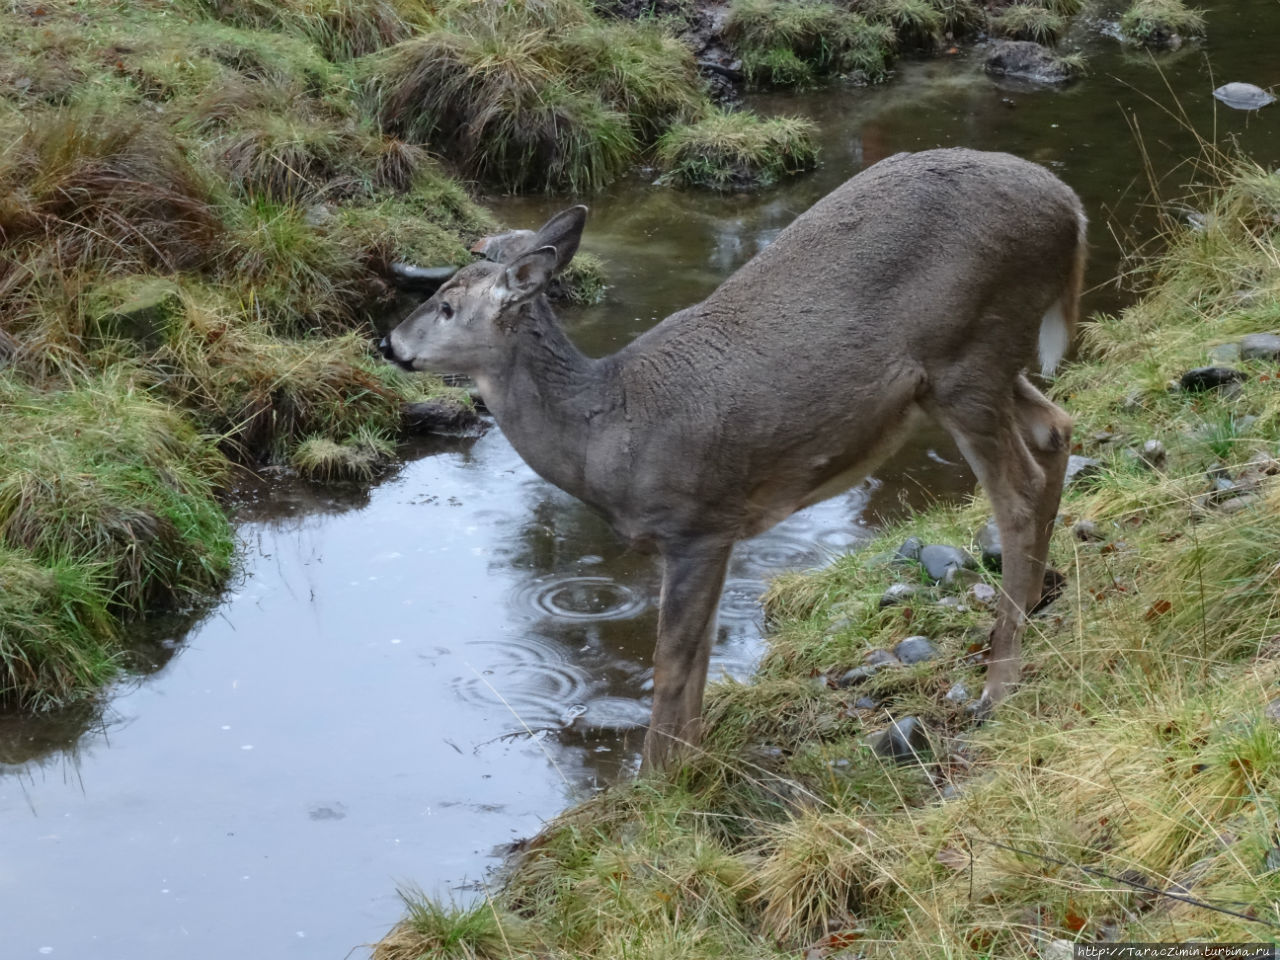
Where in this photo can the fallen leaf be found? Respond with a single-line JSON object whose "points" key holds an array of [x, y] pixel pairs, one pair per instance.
{"points": [[1157, 609], [953, 858]]}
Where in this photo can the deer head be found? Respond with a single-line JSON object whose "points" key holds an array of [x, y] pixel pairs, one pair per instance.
{"points": [[467, 325]]}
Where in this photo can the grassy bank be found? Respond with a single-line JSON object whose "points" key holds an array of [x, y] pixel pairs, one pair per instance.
{"points": [[1141, 754]]}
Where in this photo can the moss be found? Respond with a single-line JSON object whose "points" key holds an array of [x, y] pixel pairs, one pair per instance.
{"points": [[361, 456], [1159, 23], [792, 43], [727, 151]]}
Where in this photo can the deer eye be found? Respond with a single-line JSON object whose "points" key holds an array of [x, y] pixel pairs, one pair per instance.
{"points": [[446, 309]]}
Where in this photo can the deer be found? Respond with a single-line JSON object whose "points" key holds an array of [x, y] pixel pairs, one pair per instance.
{"points": [[918, 291]]}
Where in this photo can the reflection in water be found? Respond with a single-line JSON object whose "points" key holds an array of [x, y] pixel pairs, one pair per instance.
{"points": [[409, 675]]}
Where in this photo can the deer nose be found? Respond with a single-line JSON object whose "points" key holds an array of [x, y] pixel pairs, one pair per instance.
{"points": [[385, 348]]}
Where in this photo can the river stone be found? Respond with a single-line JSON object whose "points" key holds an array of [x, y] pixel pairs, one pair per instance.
{"points": [[1026, 61], [443, 418], [865, 703], [910, 549], [1209, 378], [898, 593], [902, 741], [915, 650], [989, 542], [958, 693], [851, 677], [1080, 468], [938, 558], [984, 594], [1243, 96], [1260, 346]]}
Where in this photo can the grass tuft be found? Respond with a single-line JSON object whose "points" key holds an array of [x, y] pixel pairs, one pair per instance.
{"points": [[1156, 23], [1029, 21], [734, 151]]}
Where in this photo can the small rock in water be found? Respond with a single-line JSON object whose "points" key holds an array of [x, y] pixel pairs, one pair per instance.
{"points": [[1260, 346], [915, 650], [1079, 468], [898, 593], [881, 658], [1026, 61], [910, 549], [937, 559], [1243, 96], [1209, 378], [989, 542], [902, 740]]}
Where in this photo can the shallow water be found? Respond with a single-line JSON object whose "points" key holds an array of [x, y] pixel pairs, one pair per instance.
{"points": [[407, 678]]}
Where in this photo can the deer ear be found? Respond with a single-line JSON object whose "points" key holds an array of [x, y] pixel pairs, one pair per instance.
{"points": [[527, 275], [563, 232]]}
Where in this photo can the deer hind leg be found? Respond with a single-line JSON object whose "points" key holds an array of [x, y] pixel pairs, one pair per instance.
{"points": [[1046, 430], [990, 434], [692, 580]]}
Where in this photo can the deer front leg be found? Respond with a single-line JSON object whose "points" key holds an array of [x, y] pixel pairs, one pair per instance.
{"points": [[692, 580]]}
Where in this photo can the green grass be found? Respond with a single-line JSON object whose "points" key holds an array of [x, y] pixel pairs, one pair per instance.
{"points": [[1154, 23], [1136, 746], [1029, 21], [792, 44], [729, 151]]}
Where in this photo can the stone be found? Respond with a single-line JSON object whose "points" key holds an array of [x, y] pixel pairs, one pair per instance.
{"points": [[1224, 353], [1026, 61], [1243, 96], [958, 693], [141, 309], [1244, 502], [1080, 468], [984, 594], [442, 418], [902, 741], [989, 543], [317, 215], [898, 593], [1260, 346], [937, 559], [915, 650], [1087, 531], [1209, 378], [855, 676], [865, 703], [882, 658], [952, 603], [910, 549], [1272, 711]]}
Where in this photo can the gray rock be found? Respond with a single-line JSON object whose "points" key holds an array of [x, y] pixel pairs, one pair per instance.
{"points": [[953, 603], [1087, 531], [442, 417], [1209, 378], [1272, 711], [865, 703], [1245, 501], [915, 650], [902, 741], [989, 543], [1243, 96], [1080, 468], [1026, 61], [958, 693], [882, 658], [984, 594], [1260, 346], [855, 676], [910, 549], [1243, 425], [937, 559], [1225, 353], [898, 593], [317, 215]]}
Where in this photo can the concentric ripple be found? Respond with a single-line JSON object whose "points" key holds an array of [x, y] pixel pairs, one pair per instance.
{"points": [[528, 678], [581, 598]]}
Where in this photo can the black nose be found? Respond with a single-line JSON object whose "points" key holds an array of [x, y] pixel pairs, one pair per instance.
{"points": [[384, 345]]}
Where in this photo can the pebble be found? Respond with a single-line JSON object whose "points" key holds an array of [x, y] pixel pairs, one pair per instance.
{"points": [[1079, 468], [866, 703], [984, 594], [915, 650], [902, 741], [1272, 710], [882, 658], [1260, 346], [1154, 454], [1087, 531], [858, 674], [937, 559], [898, 593], [910, 549], [958, 693]]}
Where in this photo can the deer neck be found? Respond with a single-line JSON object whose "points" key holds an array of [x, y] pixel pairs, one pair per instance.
{"points": [[548, 398]]}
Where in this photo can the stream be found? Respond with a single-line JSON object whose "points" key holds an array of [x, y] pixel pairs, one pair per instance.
{"points": [[407, 678]]}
